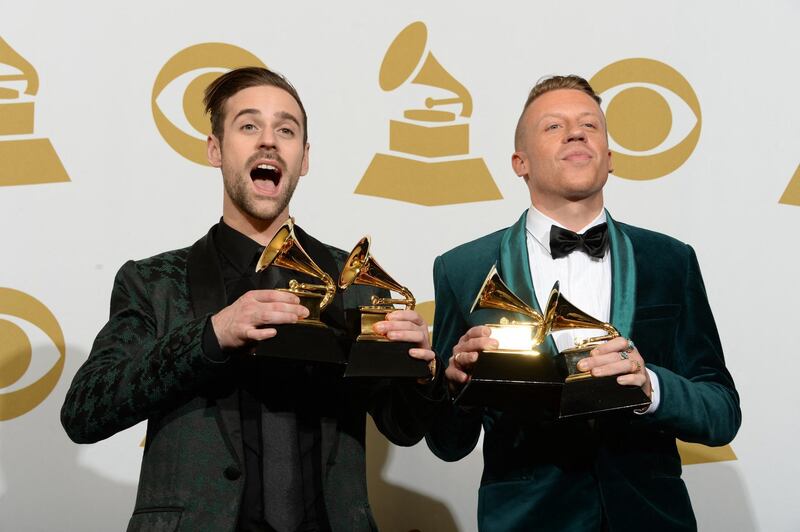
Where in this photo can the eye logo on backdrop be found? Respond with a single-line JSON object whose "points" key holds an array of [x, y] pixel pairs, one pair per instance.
{"points": [[641, 119], [430, 163], [178, 112], [16, 353], [24, 158], [791, 196]]}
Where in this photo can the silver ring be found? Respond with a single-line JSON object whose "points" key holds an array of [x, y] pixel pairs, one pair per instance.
{"points": [[631, 346], [623, 355]]}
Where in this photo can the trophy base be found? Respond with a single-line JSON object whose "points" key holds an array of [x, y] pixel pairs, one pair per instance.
{"points": [[596, 395], [428, 183], [584, 395], [381, 358], [307, 341], [514, 379], [30, 162]]}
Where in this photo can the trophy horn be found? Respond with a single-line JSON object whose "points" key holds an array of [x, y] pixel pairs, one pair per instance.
{"points": [[495, 294], [562, 315], [361, 268], [285, 251]]}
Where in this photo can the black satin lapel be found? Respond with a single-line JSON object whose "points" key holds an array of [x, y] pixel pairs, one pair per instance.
{"points": [[207, 290], [206, 287], [333, 314]]}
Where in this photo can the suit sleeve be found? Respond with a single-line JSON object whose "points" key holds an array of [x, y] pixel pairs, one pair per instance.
{"points": [[455, 431], [699, 402], [133, 372]]}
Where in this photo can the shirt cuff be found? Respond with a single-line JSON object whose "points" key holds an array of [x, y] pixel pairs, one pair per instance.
{"points": [[655, 398], [211, 348]]}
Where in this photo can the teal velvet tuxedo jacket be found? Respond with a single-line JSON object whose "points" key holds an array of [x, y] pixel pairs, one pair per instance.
{"points": [[147, 363], [550, 475]]}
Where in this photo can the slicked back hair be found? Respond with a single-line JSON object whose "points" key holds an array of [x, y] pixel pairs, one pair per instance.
{"points": [[548, 84], [230, 83]]}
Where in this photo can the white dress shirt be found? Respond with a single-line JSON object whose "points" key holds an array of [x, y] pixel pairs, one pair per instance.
{"points": [[585, 281]]}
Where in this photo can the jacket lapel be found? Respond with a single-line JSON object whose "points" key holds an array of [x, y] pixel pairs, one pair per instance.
{"points": [[207, 290], [623, 278]]}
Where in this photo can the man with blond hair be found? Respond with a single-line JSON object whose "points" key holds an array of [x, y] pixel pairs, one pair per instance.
{"points": [[618, 473]]}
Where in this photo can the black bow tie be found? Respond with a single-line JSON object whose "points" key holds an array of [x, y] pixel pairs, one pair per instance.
{"points": [[593, 242]]}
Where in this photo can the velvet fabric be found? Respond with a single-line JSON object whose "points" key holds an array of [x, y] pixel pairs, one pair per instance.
{"points": [[147, 363], [621, 472]]}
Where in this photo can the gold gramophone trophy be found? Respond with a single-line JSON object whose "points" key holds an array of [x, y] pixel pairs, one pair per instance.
{"points": [[372, 354], [516, 372], [584, 394], [309, 338]]}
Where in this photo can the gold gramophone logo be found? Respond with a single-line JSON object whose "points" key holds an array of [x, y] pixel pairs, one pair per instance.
{"points": [[24, 158], [19, 394], [182, 120], [641, 119], [791, 196], [429, 163]]}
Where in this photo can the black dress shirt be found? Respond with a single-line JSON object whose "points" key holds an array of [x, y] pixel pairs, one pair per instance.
{"points": [[280, 405]]}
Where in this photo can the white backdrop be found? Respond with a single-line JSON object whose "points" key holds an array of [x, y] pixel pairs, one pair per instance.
{"points": [[131, 195]]}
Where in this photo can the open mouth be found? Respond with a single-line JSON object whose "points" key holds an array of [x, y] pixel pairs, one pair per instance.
{"points": [[266, 177]]}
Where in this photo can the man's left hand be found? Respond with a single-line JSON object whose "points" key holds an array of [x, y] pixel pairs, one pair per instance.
{"points": [[615, 358], [408, 326]]}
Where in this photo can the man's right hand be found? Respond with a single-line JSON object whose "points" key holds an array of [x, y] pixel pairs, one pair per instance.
{"points": [[243, 321], [466, 353]]}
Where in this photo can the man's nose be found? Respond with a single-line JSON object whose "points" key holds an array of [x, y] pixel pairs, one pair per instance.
{"points": [[576, 133], [267, 139]]}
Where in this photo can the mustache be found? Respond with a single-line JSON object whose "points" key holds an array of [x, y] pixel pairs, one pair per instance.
{"points": [[266, 154]]}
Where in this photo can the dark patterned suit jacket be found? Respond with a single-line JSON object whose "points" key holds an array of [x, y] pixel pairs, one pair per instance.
{"points": [[147, 363]]}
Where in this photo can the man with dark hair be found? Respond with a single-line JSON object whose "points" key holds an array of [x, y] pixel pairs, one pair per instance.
{"points": [[234, 441], [619, 473]]}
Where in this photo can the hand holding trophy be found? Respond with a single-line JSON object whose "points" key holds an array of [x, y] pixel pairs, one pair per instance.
{"points": [[520, 370], [372, 354], [308, 339]]}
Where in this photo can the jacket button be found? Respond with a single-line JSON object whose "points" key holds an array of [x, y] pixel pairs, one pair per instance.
{"points": [[232, 472]]}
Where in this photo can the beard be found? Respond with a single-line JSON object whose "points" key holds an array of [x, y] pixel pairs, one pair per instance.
{"points": [[240, 193]]}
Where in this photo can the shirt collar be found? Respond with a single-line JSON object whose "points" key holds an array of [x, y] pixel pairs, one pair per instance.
{"points": [[538, 226], [239, 249]]}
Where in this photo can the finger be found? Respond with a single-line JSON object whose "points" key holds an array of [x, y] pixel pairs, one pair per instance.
{"points": [[455, 375], [464, 360], [276, 317], [406, 336], [260, 334], [621, 367], [615, 344], [406, 315], [383, 327], [421, 354], [480, 344], [267, 296], [632, 379], [596, 361], [478, 331], [288, 308]]}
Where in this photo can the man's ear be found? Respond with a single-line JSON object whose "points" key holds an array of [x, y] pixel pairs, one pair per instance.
{"points": [[519, 162], [610, 163], [304, 164], [214, 151]]}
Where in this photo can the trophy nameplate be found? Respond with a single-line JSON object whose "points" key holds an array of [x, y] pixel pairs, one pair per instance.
{"points": [[309, 339], [372, 354]]}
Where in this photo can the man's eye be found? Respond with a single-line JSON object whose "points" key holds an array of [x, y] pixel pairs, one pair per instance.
{"points": [[248, 127], [590, 125], [286, 131], [551, 126]]}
